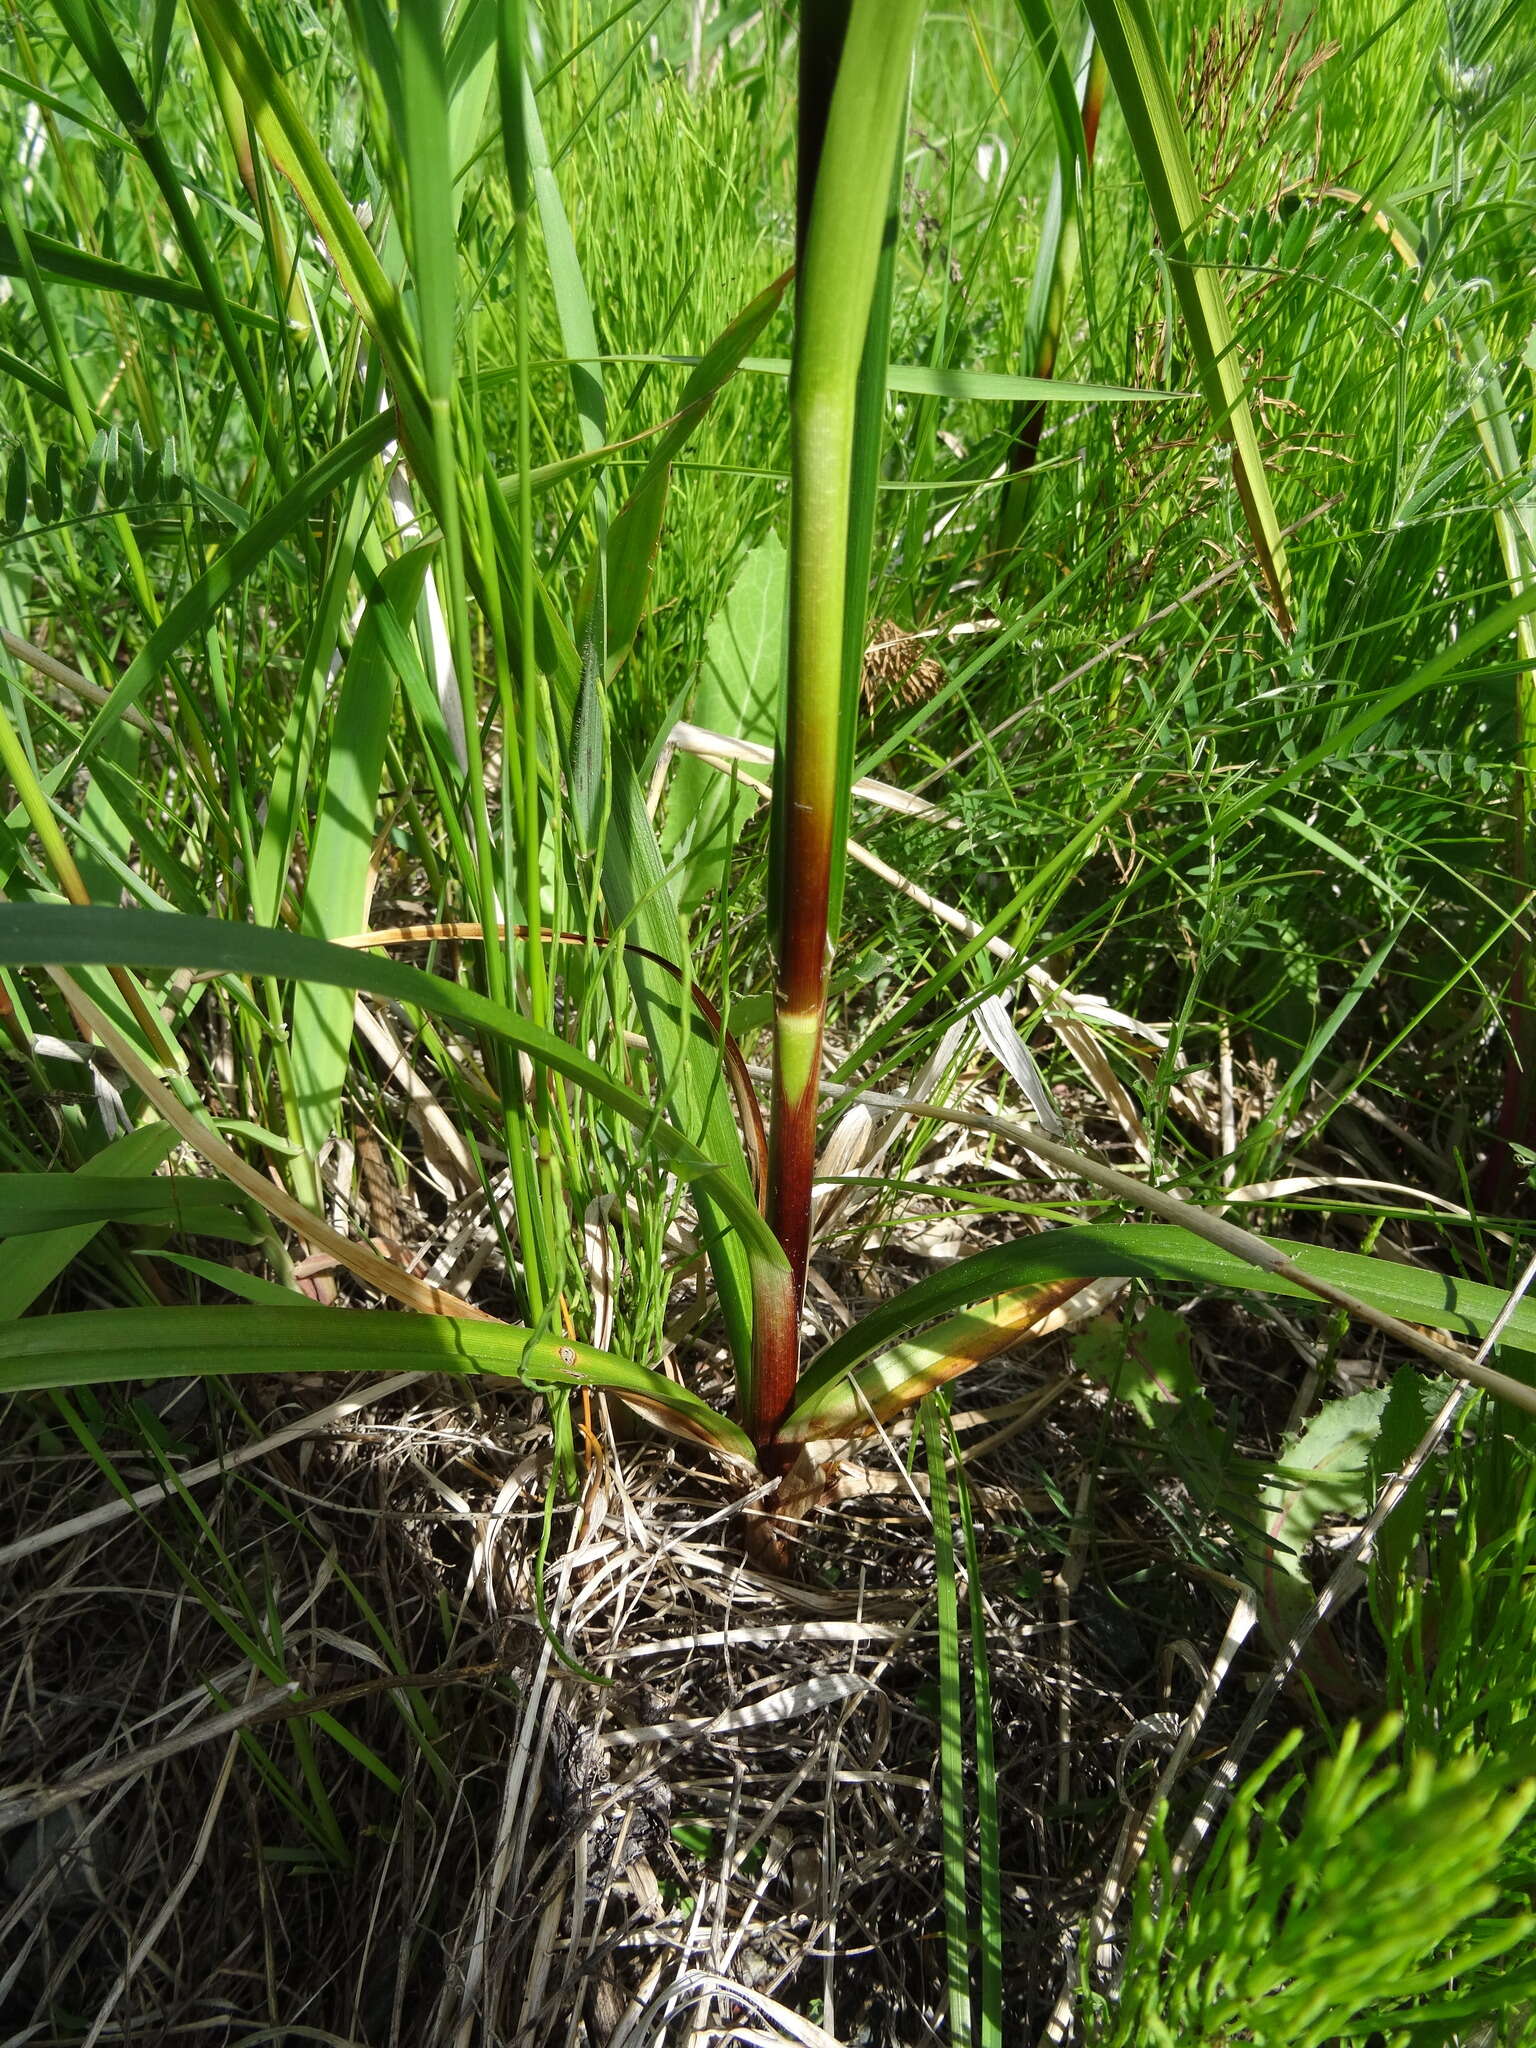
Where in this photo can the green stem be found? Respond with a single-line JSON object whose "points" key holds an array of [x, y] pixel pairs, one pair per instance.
{"points": [[845, 221]]}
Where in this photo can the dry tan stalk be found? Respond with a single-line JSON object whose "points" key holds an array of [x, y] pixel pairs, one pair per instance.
{"points": [[720, 750], [444, 1149], [46, 664], [359, 1260]]}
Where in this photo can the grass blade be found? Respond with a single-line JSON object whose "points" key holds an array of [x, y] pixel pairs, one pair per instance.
{"points": [[153, 1344], [192, 613], [31, 933], [957, 1919], [31, 1263], [1056, 260], [336, 889], [1128, 35], [994, 1293]]}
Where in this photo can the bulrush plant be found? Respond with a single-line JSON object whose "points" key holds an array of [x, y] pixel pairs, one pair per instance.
{"points": [[573, 937]]}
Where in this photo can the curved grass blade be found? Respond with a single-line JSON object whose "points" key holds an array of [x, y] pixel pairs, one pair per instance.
{"points": [[296, 151], [1128, 35], [191, 613], [109, 1345], [33, 934], [997, 1296], [884, 1388], [71, 265]]}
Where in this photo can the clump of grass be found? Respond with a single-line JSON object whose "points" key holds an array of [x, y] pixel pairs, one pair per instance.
{"points": [[376, 523]]}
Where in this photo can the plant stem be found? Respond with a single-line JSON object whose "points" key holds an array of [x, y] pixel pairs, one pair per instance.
{"points": [[844, 224]]}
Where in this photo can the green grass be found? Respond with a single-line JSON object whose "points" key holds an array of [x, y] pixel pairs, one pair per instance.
{"points": [[392, 432]]}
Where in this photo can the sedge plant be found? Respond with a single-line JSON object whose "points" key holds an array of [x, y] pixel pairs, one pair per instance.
{"points": [[480, 661]]}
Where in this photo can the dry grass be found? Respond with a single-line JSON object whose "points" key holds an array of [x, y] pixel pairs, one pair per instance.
{"points": [[739, 1828]]}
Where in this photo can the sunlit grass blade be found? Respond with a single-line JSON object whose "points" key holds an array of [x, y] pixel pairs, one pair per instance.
{"points": [[920, 380], [337, 882], [885, 1387], [973, 1294], [1130, 38], [104, 1345]]}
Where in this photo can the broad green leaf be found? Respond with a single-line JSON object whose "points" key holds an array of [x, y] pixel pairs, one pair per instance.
{"points": [[1325, 1471], [288, 781], [738, 694], [573, 304], [31, 1263], [865, 469], [1162, 1254], [1129, 35], [109, 1345], [336, 886], [56, 1201]]}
